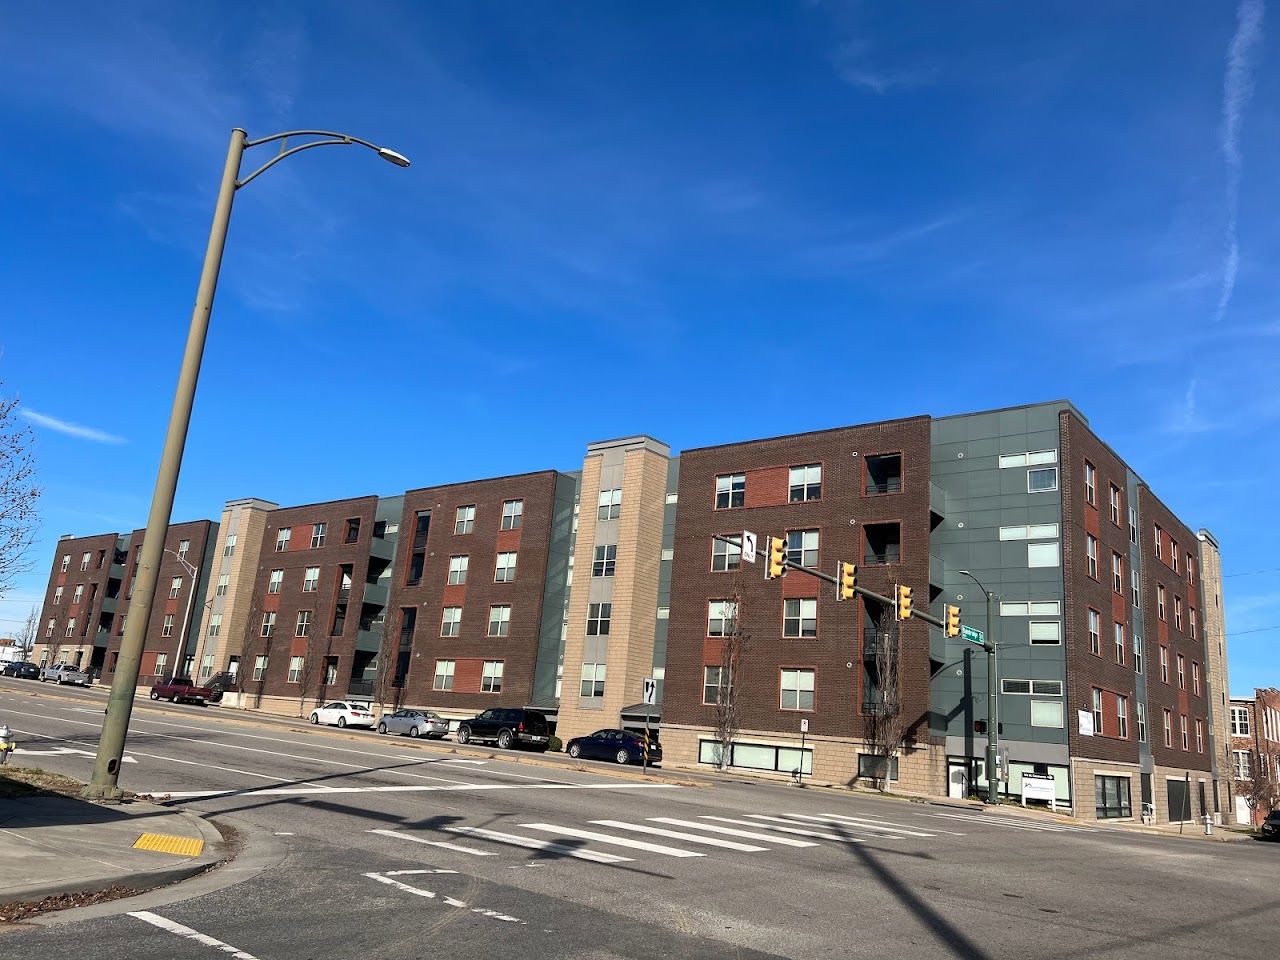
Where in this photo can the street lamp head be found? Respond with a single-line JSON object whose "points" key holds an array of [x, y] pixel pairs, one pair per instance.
{"points": [[399, 159], [964, 573]]}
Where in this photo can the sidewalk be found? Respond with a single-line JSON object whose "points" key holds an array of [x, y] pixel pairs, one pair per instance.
{"points": [[53, 843]]}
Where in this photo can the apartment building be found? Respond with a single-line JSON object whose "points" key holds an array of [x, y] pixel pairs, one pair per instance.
{"points": [[80, 601], [1254, 755]]}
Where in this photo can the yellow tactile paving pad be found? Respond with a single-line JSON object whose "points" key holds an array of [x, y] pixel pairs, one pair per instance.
{"points": [[164, 843]]}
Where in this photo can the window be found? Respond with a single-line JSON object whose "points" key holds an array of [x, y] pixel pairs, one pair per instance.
{"points": [[1182, 672], [1135, 590], [491, 677], [802, 547], [721, 615], [1242, 760], [1173, 554], [1160, 601], [1191, 621], [184, 547], [1199, 736], [731, 490], [1028, 459], [797, 689], [451, 622], [604, 561], [1239, 720], [1195, 678], [444, 675], [512, 514], [77, 593], [303, 627], [725, 556], [1042, 554], [1164, 664], [1090, 483], [295, 669], [1095, 633], [166, 630], [1035, 531], [806, 483], [458, 569], [1046, 713], [883, 543], [206, 666], [353, 531], [162, 661], [1111, 797], [1122, 717], [57, 596], [758, 756], [84, 561], [1120, 643], [1091, 552], [66, 562], [464, 519], [1177, 612], [317, 535], [884, 473], [1034, 608], [1191, 570], [1159, 542], [1045, 632], [598, 617], [1133, 525], [310, 579], [505, 569], [592, 680], [799, 617], [1114, 496], [711, 684], [283, 535], [268, 623], [259, 667], [273, 585], [49, 627], [500, 620], [71, 626], [1097, 712], [215, 625], [1168, 728], [1182, 727], [1137, 654], [1117, 574], [330, 671], [1042, 480], [610, 505], [1142, 721], [1040, 688], [224, 583]]}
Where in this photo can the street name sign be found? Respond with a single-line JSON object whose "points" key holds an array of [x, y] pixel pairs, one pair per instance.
{"points": [[973, 635]]}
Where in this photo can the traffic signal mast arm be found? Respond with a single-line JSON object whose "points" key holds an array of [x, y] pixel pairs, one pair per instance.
{"points": [[861, 591]]}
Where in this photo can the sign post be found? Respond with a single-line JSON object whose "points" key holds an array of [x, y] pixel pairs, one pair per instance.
{"points": [[650, 698], [804, 730]]}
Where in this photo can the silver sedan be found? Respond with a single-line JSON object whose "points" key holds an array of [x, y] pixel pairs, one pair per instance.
{"points": [[416, 723]]}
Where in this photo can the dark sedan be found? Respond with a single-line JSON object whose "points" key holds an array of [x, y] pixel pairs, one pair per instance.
{"points": [[22, 670], [1271, 826], [620, 746]]}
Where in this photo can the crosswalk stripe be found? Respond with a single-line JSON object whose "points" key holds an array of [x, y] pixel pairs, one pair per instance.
{"points": [[730, 831], [680, 835], [616, 841], [800, 833], [562, 849], [443, 844], [999, 822], [836, 820]]}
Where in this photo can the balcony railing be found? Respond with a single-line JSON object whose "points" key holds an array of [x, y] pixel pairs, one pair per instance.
{"points": [[888, 556], [360, 688], [886, 486]]}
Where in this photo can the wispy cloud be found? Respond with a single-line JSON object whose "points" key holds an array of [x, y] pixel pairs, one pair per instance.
{"points": [[69, 428], [1237, 88], [845, 254], [853, 65], [1186, 417]]}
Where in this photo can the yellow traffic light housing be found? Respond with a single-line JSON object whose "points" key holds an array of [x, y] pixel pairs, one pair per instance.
{"points": [[846, 580], [953, 621], [904, 602], [777, 558]]}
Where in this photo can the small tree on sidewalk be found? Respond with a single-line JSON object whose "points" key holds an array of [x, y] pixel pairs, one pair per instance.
{"points": [[1261, 789], [884, 717], [28, 632], [730, 677]]}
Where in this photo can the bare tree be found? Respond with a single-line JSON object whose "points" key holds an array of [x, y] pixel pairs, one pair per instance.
{"points": [[729, 683], [28, 632], [884, 718], [18, 493], [386, 684], [1261, 789], [255, 645]]}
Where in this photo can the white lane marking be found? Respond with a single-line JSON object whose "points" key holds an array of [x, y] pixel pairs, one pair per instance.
{"points": [[730, 831], [547, 845], [862, 823], [63, 751], [999, 822], [681, 835], [769, 825], [615, 841], [411, 873], [410, 788], [178, 929], [282, 834], [435, 843], [431, 895]]}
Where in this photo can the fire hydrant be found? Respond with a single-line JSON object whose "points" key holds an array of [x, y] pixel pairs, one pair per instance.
{"points": [[7, 743], [1208, 825]]}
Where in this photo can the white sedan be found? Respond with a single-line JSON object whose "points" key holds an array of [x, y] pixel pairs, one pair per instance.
{"points": [[344, 714]]}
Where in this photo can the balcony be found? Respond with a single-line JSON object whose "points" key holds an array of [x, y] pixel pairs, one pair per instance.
{"points": [[884, 473], [360, 688], [376, 594]]}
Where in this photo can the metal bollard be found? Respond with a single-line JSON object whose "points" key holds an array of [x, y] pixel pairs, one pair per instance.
{"points": [[1208, 825]]}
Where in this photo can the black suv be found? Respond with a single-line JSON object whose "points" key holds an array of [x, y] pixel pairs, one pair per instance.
{"points": [[508, 728], [1271, 826]]}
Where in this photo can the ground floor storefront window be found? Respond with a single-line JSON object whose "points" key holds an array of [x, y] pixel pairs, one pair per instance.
{"points": [[758, 756], [1111, 797]]}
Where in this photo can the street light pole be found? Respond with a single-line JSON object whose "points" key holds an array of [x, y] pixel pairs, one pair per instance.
{"points": [[193, 573], [993, 694], [103, 784]]}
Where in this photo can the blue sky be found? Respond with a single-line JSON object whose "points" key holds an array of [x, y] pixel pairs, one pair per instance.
{"points": [[885, 209]]}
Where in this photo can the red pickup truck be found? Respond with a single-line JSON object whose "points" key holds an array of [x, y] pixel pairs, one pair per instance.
{"points": [[176, 689]]}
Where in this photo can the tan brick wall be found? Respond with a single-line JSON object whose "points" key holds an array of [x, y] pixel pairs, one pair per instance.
{"points": [[241, 568], [573, 720]]}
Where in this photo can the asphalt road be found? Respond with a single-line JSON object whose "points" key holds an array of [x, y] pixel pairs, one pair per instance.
{"points": [[376, 847]]}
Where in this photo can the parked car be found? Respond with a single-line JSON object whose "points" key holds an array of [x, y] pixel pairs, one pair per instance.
{"points": [[344, 713], [620, 746], [177, 689], [508, 728], [64, 673], [22, 670], [416, 723], [1270, 828]]}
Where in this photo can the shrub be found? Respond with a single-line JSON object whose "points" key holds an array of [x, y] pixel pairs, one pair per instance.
{"points": [[555, 744]]}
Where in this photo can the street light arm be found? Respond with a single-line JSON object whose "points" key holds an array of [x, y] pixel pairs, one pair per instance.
{"points": [[290, 152], [342, 137], [330, 139]]}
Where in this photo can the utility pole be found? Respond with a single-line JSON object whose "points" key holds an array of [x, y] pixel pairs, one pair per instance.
{"points": [[993, 693]]}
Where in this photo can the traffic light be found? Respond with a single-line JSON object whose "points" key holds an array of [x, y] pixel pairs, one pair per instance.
{"points": [[979, 726], [953, 620], [846, 580], [777, 558], [904, 602]]}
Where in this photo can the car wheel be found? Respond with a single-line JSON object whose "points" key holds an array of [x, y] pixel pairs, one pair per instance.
{"points": [[315, 718], [173, 699], [154, 695], [505, 739], [622, 757], [342, 721], [464, 734], [575, 751], [414, 732], [382, 728]]}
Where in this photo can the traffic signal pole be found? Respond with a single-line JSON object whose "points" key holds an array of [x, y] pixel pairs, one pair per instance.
{"points": [[993, 704]]}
